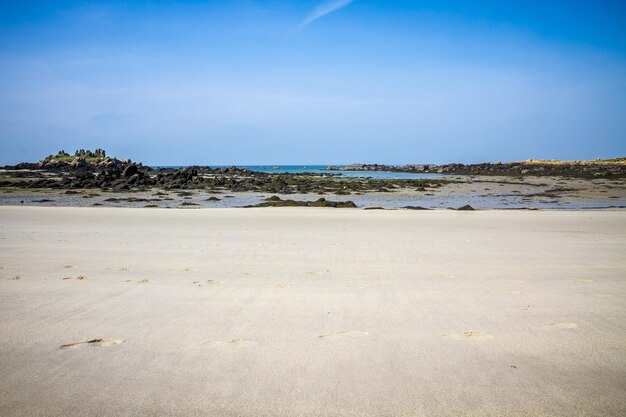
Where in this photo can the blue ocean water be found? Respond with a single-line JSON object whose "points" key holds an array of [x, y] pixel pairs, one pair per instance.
{"points": [[321, 169]]}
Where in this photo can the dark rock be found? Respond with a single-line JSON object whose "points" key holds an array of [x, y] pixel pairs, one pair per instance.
{"points": [[130, 170], [613, 168], [275, 201]]}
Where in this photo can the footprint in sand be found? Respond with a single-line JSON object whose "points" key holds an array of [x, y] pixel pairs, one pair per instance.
{"points": [[562, 325], [234, 343], [582, 280], [68, 266], [93, 342], [124, 269], [16, 278], [281, 286], [343, 333], [208, 281], [469, 335], [79, 278], [142, 281], [191, 269]]}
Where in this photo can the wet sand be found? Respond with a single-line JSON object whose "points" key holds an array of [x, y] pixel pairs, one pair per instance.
{"points": [[311, 312]]}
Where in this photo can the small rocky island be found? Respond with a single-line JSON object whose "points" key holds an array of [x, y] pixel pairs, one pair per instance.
{"points": [[94, 178]]}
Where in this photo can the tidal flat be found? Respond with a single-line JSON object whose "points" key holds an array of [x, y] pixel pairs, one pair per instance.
{"points": [[480, 192], [94, 179]]}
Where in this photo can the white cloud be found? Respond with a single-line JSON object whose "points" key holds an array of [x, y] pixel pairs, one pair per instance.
{"points": [[323, 9]]}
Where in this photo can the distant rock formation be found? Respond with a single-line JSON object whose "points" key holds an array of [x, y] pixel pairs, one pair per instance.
{"points": [[91, 170], [98, 153], [609, 168], [82, 160]]}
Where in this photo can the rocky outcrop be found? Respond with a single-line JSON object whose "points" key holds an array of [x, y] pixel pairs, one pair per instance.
{"points": [[62, 171], [130, 170], [98, 153], [275, 201], [81, 161], [578, 169]]}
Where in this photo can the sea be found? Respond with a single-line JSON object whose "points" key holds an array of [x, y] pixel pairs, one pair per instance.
{"points": [[321, 169]]}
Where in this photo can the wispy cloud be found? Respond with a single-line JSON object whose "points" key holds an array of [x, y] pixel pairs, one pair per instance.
{"points": [[323, 9]]}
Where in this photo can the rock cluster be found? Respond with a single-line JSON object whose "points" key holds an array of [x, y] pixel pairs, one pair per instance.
{"points": [[275, 201], [83, 171], [98, 153], [582, 169], [82, 160]]}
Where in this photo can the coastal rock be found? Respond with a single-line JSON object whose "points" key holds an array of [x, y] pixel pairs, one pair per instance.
{"points": [[78, 163], [130, 170], [275, 201], [612, 168]]}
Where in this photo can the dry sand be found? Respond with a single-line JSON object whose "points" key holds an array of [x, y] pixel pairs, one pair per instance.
{"points": [[311, 312]]}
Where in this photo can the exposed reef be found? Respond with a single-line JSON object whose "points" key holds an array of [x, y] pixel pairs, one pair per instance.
{"points": [[92, 178], [275, 201], [94, 170], [607, 168]]}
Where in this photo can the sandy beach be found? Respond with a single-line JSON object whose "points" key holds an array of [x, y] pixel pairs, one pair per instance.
{"points": [[311, 312]]}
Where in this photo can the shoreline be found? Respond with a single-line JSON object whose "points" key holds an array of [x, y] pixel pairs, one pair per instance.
{"points": [[305, 208], [478, 192], [92, 178]]}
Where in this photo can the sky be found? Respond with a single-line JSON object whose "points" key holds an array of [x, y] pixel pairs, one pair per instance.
{"points": [[313, 81]]}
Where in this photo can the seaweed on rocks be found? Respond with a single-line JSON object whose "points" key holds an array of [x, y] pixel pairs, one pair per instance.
{"points": [[275, 201], [609, 168]]}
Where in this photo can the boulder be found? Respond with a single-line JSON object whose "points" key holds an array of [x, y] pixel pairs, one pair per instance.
{"points": [[130, 170]]}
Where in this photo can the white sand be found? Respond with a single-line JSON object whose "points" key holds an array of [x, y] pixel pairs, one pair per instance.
{"points": [[312, 312]]}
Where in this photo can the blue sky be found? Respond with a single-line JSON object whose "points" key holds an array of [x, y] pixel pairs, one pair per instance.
{"points": [[305, 82]]}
